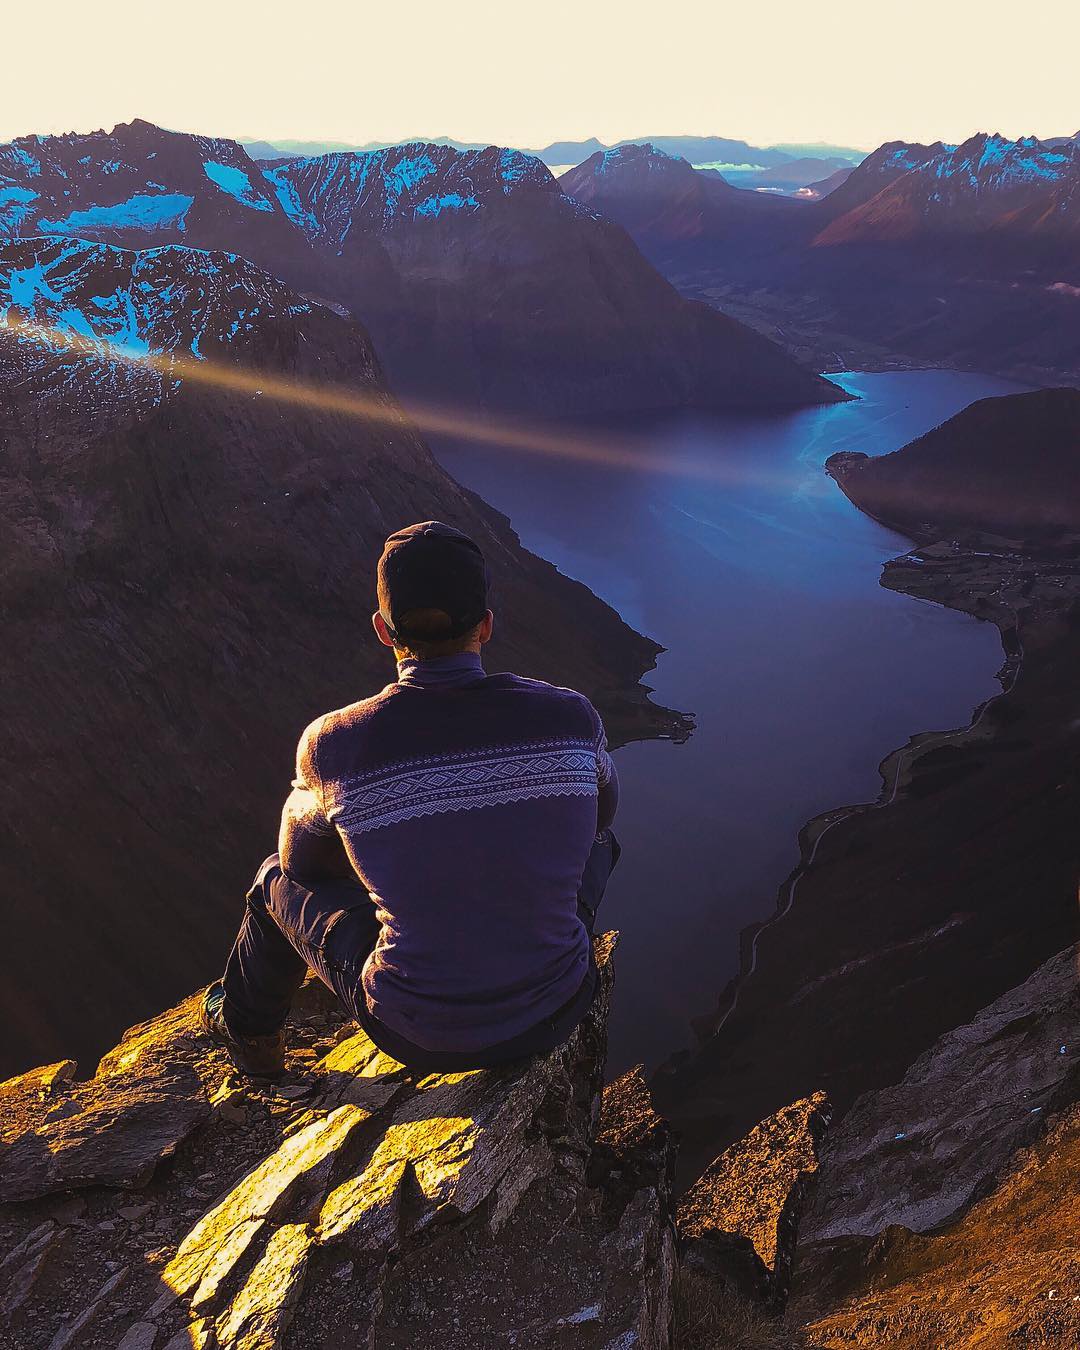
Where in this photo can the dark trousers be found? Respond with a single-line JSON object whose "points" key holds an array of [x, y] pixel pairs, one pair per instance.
{"points": [[330, 928]]}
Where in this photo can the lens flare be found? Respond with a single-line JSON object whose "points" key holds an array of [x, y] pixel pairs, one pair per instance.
{"points": [[381, 407]]}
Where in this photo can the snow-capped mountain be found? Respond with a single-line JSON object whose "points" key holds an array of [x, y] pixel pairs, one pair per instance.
{"points": [[480, 280], [139, 185], [333, 196], [106, 322], [1022, 187], [58, 292], [184, 574]]}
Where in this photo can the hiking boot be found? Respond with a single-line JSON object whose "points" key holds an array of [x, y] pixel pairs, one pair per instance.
{"points": [[254, 1056]]}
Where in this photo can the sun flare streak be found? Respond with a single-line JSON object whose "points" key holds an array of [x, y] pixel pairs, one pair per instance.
{"points": [[382, 408]]}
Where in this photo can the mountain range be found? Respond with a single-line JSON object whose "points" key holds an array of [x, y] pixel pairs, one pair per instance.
{"points": [[698, 149], [959, 255], [480, 280], [198, 466]]}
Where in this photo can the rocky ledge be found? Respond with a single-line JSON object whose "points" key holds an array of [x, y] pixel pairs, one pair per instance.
{"points": [[947, 1207], [163, 1204]]}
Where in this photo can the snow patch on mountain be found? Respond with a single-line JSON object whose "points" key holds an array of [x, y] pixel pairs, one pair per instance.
{"points": [[403, 176], [19, 156], [610, 161], [995, 163], [236, 183], [140, 212], [289, 201], [74, 298], [449, 201], [15, 206]]}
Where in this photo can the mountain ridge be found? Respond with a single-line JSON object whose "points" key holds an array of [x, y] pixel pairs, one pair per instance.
{"points": [[480, 280]]}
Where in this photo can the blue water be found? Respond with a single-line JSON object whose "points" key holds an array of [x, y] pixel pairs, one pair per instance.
{"points": [[721, 537]]}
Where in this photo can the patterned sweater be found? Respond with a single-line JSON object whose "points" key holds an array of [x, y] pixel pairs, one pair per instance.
{"points": [[467, 804]]}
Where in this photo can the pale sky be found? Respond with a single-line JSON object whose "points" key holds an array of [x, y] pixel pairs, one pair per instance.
{"points": [[855, 73]]}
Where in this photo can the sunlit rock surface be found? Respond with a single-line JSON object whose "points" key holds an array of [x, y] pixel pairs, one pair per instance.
{"points": [[1006, 1274], [919, 1152], [948, 1206], [740, 1219], [164, 1204]]}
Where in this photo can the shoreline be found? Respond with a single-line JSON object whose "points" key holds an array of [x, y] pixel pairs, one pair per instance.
{"points": [[812, 833], [891, 770], [885, 935]]}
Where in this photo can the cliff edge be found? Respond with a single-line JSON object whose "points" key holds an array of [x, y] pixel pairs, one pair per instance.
{"points": [[162, 1205]]}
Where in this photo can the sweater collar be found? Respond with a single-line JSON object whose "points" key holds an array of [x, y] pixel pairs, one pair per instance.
{"points": [[441, 672]]}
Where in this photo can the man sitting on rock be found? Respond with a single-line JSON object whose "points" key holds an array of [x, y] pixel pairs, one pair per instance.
{"points": [[444, 849]]}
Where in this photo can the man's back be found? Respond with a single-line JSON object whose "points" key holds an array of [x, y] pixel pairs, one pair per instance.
{"points": [[467, 804]]}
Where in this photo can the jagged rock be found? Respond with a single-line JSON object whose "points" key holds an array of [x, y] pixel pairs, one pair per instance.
{"points": [[69, 1334], [297, 1174], [34, 1086], [916, 1154], [262, 1309], [740, 1219], [22, 1266], [1006, 1274], [634, 1145], [589, 1268], [504, 1206], [139, 1336], [145, 1099]]}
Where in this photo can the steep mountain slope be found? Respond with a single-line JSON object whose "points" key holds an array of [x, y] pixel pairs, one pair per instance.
{"points": [[674, 210], [878, 171], [480, 280], [650, 192], [187, 544], [797, 173], [825, 186]]}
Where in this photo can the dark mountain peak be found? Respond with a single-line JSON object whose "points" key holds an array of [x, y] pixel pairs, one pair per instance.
{"points": [[666, 203], [569, 152], [635, 167], [821, 189]]}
